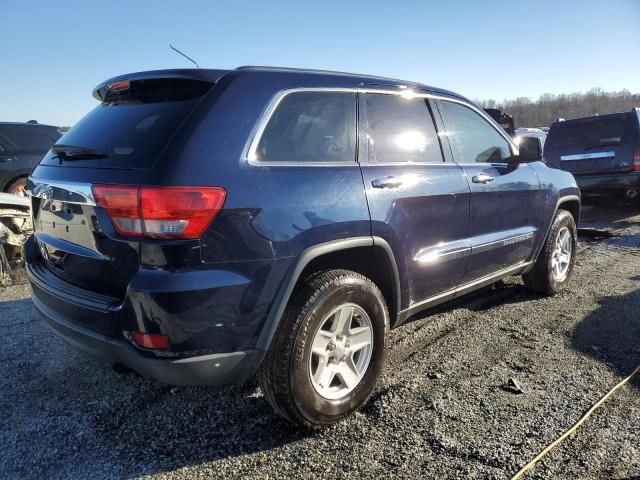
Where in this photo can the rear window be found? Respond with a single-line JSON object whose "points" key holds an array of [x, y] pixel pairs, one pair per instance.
{"points": [[132, 126], [593, 132]]}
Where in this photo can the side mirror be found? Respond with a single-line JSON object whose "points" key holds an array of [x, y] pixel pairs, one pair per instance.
{"points": [[530, 149]]}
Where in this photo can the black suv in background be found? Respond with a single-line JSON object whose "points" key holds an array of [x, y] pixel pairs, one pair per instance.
{"points": [[602, 152], [22, 146]]}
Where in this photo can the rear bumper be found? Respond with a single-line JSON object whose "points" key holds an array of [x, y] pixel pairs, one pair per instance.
{"points": [[96, 325], [608, 184], [214, 369]]}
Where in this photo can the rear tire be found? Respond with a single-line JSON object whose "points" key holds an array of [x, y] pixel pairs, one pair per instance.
{"points": [[328, 351], [554, 266]]}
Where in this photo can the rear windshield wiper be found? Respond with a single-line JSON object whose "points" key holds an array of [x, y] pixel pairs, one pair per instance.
{"points": [[606, 144], [73, 152]]}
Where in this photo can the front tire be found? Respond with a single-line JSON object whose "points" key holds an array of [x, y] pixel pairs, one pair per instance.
{"points": [[554, 266], [328, 351]]}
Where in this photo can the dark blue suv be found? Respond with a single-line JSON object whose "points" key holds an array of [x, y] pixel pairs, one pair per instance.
{"points": [[202, 226]]}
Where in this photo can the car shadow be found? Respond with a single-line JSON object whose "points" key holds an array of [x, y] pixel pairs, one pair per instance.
{"points": [[179, 427], [611, 334], [121, 415], [499, 293]]}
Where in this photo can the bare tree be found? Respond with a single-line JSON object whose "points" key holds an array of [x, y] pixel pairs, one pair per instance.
{"points": [[548, 107]]}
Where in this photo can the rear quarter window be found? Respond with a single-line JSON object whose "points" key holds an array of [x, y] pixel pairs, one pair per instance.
{"points": [[310, 127]]}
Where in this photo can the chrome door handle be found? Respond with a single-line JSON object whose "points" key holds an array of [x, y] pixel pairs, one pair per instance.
{"points": [[482, 178], [386, 182]]}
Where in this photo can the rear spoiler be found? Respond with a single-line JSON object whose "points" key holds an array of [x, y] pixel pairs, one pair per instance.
{"points": [[204, 75]]}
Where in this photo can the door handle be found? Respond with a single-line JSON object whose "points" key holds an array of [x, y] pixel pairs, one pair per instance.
{"points": [[482, 178], [6, 159], [386, 182]]}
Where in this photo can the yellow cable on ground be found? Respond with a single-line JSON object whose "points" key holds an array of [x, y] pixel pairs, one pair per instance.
{"points": [[555, 443]]}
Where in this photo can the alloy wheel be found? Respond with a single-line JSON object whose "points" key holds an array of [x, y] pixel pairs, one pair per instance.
{"points": [[561, 257], [341, 351]]}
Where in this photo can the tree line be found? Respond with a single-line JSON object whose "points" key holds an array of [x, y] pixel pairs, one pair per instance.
{"points": [[549, 107]]}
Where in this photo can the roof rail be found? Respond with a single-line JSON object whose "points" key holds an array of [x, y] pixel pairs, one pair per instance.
{"points": [[295, 69], [328, 72]]}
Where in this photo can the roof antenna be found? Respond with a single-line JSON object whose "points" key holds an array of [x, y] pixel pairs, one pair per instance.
{"points": [[185, 56]]}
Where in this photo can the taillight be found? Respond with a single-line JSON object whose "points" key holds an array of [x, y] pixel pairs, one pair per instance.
{"points": [[636, 159], [153, 341], [121, 204], [160, 212]]}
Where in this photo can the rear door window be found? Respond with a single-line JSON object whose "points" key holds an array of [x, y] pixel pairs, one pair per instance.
{"points": [[27, 138], [5, 146], [310, 127], [593, 132], [131, 127], [472, 138], [402, 130]]}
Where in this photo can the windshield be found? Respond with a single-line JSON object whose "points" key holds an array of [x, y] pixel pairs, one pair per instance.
{"points": [[130, 129], [593, 132]]}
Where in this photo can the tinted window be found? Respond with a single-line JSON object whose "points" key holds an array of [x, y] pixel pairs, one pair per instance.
{"points": [[472, 138], [51, 132], [132, 127], [402, 129], [593, 132], [27, 138], [311, 127]]}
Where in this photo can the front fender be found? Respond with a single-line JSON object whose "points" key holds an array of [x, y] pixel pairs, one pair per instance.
{"points": [[557, 188]]}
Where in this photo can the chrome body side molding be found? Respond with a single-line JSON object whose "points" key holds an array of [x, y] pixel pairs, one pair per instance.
{"points": [[445, 251], [588, 156], [442, 252], [483, 243]]}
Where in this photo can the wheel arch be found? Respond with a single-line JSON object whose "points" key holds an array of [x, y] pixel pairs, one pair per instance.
{"points": [[12, 178], [370, 256], [570, 203]]}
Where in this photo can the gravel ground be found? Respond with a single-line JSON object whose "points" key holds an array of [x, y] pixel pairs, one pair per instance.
{"points": [[438, 412]]}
